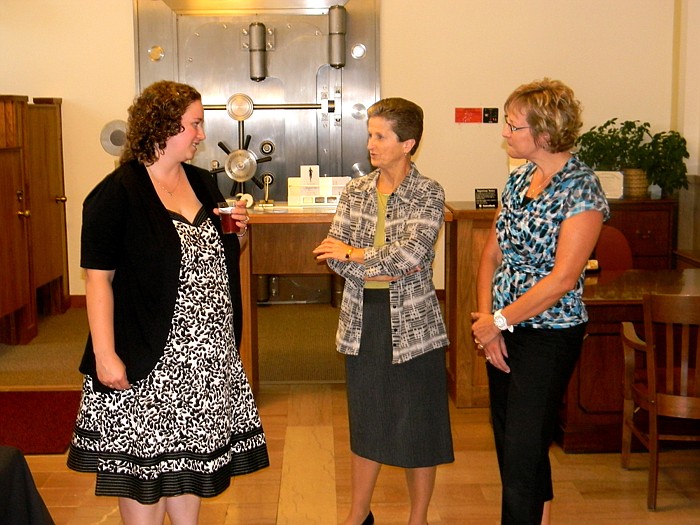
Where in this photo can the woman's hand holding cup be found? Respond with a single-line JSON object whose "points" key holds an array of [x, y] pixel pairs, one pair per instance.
{"points": [[234, 216]]}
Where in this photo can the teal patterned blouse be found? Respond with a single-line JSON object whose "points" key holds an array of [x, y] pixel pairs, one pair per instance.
{"points": [[528, 231]]}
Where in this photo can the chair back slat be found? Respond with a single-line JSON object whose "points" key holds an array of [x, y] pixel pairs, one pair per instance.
{"points": [[685, 359], [670, 356], [674, 321]]}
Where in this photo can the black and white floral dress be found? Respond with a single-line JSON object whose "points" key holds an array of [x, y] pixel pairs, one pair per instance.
{"points": [[192, 423]]}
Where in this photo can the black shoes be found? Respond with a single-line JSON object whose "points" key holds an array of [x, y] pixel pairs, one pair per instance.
{"points": [[369, 520]]}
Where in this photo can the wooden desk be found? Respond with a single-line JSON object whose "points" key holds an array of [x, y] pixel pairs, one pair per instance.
{"points": [[591, 415], [280, 243]]}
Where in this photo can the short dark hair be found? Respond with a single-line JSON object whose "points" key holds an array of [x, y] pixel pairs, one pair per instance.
{"points": [[405, 116], [154, 117], [549, 107]]}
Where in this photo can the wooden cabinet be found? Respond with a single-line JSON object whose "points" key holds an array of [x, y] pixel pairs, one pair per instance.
{"points": [[48, 205], [651, 228], [32, 216], [18, 321]]}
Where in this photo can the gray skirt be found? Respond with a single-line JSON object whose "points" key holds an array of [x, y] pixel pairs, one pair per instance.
{"points": [[399, 414]]}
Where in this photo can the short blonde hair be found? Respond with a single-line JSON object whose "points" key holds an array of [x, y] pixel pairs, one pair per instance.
{"points": [[551, 108]]}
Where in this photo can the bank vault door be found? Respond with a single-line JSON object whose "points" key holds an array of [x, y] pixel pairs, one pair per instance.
{"points": [[309, 71]]}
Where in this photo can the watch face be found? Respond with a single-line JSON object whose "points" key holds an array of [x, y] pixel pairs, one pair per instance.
{"points": [[500, 321]]}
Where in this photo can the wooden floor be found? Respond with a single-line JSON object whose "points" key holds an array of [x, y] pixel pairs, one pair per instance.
{"points": [[308, 480]]}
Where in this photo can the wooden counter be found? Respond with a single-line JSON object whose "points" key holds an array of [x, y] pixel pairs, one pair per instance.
{"points": [[280, 241], [466, 229]]}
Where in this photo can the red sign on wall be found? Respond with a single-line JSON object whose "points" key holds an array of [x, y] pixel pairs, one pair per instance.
{"points": [[468, 115]]}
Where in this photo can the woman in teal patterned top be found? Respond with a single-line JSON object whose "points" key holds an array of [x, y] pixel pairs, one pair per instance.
{"points": [[531, 319]]}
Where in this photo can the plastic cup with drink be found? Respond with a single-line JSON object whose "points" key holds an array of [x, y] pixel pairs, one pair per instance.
{"points": [[228, 223]]}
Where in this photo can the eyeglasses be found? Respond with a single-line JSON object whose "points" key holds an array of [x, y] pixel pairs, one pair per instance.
{"points": [[513, 128]]}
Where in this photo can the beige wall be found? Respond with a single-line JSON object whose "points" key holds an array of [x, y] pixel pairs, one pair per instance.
{"points": [[627, 58], [83, 52]]}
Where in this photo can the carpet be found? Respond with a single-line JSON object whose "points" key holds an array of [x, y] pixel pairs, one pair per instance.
{"points": [[38, 421], [296, 343], [40, 383], [51, 359]]}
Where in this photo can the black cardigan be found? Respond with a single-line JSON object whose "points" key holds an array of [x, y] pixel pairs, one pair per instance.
{"points": [[126, 228]]}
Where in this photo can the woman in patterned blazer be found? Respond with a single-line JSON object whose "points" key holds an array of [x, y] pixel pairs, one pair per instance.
{"points": [[390, 326]]}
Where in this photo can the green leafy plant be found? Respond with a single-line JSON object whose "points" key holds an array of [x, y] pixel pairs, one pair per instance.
{"points": [[617, 146], [666, 166]]}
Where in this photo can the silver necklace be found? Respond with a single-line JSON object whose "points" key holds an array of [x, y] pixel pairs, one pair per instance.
{"points": [[166, 190], [541, 184]]}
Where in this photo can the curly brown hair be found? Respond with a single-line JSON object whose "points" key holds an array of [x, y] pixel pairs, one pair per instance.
{"points": [[154, 117], [550, 107]]}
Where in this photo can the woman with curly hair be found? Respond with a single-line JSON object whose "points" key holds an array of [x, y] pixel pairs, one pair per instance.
{"points": [[531, 319], [167, 415]]}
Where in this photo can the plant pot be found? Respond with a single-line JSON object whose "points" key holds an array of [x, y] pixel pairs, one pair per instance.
{"points": [[635, 184]]}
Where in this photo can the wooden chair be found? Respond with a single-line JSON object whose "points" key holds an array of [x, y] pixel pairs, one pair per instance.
{"points": [[662, 379], [612, 251]]}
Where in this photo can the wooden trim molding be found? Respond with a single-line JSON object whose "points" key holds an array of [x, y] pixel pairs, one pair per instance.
{"points": [[77, 301]]}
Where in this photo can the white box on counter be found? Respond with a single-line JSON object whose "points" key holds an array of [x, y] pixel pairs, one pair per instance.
{"points": [[324, 193]]}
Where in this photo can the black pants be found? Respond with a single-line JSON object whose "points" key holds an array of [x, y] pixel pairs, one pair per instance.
{"points": [[524, 413]]}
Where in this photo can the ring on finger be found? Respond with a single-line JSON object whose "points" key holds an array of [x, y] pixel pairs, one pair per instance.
{"points": [[488, 358], [481, 347]]}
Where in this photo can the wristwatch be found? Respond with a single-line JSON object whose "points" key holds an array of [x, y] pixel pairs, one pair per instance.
{"points": [[500, 321]]}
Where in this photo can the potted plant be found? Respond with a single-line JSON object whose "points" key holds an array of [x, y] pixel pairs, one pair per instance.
{"points": [[643, 158], [624, 147], [666, 167]]}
